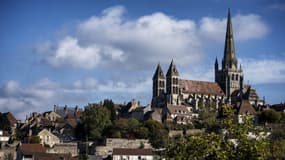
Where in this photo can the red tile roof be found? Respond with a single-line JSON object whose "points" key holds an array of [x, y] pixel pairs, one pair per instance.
{"points": [[201, 87], [246, 107], [30, 149], [132, 151]]}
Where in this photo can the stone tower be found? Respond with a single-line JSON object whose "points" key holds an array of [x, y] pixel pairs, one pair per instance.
{"points": [[158, 80], [229, 76], [172, 86]]}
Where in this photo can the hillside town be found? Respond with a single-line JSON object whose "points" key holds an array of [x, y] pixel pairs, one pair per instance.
{"points": [[185, 119]]}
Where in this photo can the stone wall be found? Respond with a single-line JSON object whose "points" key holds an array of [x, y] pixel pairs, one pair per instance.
{"points": [[67, 148], [127, 143]]}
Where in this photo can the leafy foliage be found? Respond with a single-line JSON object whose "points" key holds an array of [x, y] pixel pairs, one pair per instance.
{"points": [[4, 122], [233, 143], [97, 120], [108, 103], [270, 116]]}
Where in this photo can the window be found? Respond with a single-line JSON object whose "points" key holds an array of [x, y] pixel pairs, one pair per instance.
{"points": [[233, 77], [237, 77], [161, 83], [47, 138]]}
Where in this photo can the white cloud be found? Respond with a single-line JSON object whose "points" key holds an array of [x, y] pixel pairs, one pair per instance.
{"points": [[245, 27], [261, 71], [112, 40], [42, 95]]}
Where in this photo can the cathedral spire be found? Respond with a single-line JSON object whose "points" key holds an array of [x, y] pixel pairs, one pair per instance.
{"points": [[158, 72], [216, 64], [229, 59], [172, 71]]}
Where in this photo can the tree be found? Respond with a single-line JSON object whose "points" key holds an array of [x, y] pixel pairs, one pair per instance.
{"points": [[270, 116], [207, 117], [97, 120], [4, 122], [108, 103], [234, 143], [158, 134]]}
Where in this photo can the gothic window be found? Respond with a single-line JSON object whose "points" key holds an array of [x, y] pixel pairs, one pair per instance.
{"points": [[161, 84], [233, 77], [176, 90], [237, 77]]}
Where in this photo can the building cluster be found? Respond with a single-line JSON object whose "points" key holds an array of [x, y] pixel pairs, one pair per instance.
{"points": [[52, 134], [181, 99]]}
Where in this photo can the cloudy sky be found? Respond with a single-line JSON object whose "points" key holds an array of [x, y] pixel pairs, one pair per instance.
{"points": [[75, 52]]}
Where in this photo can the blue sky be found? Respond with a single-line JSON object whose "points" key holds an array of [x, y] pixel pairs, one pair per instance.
{"points": [[75, 52]]}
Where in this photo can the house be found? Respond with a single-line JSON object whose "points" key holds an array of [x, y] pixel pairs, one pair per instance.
{"points": [[51, 115], [4, 137], [68, 111], [132, 154], [111, 143], [52, 156], [28, 151], [154, 114], [177, 113], [47, 138], [67, 131], [245, 109]]}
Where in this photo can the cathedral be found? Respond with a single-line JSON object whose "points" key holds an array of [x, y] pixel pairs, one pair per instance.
{"points": [[181, 96]]}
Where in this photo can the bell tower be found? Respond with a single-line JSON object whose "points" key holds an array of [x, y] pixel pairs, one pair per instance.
{"points": [[172, 85], [228, 77]]}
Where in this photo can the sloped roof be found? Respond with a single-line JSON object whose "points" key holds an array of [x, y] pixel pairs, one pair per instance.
{"points": [[72, 122], [30, 149], [158, 73], [172, 70], [10, 118], [53, 156], [245, 107], [132, 151], [177, 109], [201, 87]]}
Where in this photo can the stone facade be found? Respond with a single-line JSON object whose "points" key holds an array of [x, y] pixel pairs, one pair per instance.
{"points": [[48, 138], [64, 148]]}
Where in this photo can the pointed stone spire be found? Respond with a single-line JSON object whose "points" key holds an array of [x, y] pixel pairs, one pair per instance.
{"points": [[158, 73], [240, 68], [172, 71], [216, 64], [229, 59]]}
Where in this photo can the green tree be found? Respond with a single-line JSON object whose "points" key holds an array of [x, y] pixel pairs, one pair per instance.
{"points": [[207, 117], [4, 122], [270, 116], [97, 120], [108, 103], [158, 134], [233, 143]]}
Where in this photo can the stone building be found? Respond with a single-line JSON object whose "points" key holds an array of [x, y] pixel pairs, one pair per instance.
{"points": [[47, 138], [228, 87], [132, 154]]}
